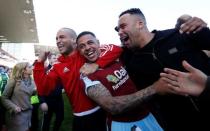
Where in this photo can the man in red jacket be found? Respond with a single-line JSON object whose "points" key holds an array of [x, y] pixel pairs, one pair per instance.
{"points": [[87, 115]]}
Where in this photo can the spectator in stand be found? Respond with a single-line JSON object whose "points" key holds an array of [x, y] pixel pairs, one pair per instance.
{"points": [[3, 81], [3, 78]]}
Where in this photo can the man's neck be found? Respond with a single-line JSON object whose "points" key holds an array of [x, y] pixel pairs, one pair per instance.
{"points": [[70, 54], [147, 37]]}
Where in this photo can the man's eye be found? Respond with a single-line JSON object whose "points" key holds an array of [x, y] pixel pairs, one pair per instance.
{"points": [[90, 43], [81, 47], [122, 26]]}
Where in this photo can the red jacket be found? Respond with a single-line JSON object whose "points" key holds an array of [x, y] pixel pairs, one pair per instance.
{"points": [[67, 72]]}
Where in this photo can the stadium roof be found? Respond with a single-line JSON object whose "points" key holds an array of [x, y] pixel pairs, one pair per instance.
{"points": [[18, 23]]}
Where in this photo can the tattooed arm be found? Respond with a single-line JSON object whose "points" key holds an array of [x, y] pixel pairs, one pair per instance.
{"points": [[119, 104]]}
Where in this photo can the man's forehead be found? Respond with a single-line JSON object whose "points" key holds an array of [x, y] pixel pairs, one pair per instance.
{"points": [[87, 37], [124, 18], [128, 17], [84, 38], [61, 32]]}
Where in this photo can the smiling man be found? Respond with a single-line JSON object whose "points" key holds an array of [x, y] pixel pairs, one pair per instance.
{"points": [[113, 90]]}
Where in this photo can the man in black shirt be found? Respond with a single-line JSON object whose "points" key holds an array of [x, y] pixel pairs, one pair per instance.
{"points": [[147, 53]]}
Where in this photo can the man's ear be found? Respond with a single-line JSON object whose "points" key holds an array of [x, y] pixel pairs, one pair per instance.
{"points": [[73, 40], [140, 24], [75, 44]]}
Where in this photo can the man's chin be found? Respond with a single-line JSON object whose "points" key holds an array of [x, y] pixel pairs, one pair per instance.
{"points": [[62, 51], [91, 59], [126, 45]]}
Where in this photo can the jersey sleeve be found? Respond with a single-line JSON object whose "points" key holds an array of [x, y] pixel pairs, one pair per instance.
{"points": [[88, 83], [109, 53], [45, 82]]}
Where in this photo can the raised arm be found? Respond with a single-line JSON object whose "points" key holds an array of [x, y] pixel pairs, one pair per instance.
{"points": [[45, 82]]}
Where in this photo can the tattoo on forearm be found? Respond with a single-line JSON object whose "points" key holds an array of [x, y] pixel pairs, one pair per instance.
{"points": [[118, 104], [97, 91], [128, 102]]}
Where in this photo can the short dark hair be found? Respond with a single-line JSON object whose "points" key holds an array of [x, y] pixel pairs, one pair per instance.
{"points": [[132, 11], [85, 33]]}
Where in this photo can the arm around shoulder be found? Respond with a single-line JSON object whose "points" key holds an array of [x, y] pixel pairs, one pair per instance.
{"points": [[109, 53]]}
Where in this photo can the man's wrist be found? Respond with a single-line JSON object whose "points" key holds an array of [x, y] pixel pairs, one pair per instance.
{"points": [[151, 90], [97, 66], [146, 94]]}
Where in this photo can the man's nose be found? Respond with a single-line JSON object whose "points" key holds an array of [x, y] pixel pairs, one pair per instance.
{"points": [[87, 47], [120, 32]]}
